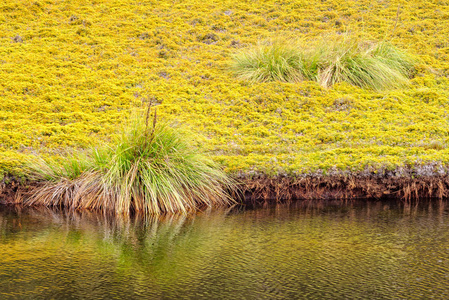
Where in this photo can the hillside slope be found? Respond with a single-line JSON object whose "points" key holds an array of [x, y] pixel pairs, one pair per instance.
{"points": [[72, 71]]}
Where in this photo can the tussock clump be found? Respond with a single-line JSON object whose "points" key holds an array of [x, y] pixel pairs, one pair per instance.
{"points": [[277, 60], [377, 66], [152, 170], [435, 145]]}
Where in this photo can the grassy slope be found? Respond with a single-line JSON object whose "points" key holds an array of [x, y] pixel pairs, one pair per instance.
{"points": [[83, 65]]}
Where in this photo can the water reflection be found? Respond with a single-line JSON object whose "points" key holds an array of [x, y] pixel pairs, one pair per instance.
{"points": [[301, 250]]}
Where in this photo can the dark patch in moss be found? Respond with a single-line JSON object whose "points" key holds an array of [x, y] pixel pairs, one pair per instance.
{"points": [[209, 38], [17, 39]]}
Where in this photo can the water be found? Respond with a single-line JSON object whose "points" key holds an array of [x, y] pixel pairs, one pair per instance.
{"points": [[301, 251]]}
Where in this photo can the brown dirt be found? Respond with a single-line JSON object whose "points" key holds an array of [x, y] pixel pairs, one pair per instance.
{"points": [[13, 191], [275, 190], [285, 189]]}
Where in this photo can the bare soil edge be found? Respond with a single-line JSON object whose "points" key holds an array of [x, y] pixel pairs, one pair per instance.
{"points": [[279, 190], [266, 190]]}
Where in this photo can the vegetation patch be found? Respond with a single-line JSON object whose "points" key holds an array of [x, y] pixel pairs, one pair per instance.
{"points": [[270, 61], [150, 169], [80, 67], [377, 66]]}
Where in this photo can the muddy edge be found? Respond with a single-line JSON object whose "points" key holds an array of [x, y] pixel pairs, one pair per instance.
{"points": [[280, 189]]}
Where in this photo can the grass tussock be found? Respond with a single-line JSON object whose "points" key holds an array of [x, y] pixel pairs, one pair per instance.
{"points": [[378, 66], [269, 61], [150, 169]]}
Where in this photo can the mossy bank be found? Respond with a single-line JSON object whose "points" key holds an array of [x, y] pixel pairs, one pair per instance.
{"points": [[71, 72]]}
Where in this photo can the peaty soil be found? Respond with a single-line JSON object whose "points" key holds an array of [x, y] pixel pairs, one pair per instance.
{"points": [[264, 189]]}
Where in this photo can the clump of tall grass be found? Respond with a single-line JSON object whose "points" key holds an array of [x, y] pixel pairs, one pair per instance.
{"points": [[377, 66], [270, 61], [150, 169]]}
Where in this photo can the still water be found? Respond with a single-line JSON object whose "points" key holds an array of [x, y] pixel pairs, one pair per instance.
{"points": [[299, 251]]}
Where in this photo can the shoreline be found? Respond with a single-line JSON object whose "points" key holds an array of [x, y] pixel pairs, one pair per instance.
{"points": [[280, 190], [263, 189]]}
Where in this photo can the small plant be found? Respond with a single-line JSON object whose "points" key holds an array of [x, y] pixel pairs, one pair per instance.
{"points": [[435, 145], [377, 66], [151, 169]]}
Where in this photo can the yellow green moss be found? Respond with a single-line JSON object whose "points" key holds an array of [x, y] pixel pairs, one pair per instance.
{"points": [[71, 72]]}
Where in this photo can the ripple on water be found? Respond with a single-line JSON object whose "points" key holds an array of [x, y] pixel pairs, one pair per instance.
{"points": [[370, 250]]}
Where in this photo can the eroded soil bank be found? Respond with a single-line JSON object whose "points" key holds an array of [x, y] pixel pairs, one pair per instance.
{"points": [[275, 190], [264, 189]]}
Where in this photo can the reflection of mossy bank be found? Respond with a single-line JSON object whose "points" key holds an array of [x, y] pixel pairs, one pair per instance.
{"points": [[287, 251]]}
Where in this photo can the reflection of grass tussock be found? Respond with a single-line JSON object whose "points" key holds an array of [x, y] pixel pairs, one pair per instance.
{"points": [[174, 256], [377, 66], [152, 170]]}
